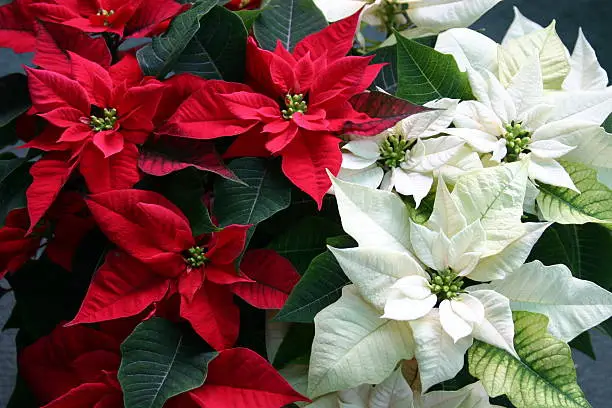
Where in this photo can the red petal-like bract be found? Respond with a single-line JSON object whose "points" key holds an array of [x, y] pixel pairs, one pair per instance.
{"points": [[49, 175], [17, 26], [384, 109], [255, 385], [274, 278], [170, 154], [118, 172], [144, 224], [122, 287], [15, 247], [53, 41]]}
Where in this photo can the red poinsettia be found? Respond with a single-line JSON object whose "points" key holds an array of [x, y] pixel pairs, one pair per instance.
{"points": [[297, 107], [163, 261], [243, 4], [97, 118], [134, 18], [77, 367]]}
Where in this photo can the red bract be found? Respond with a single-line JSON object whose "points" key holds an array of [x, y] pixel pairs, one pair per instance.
{"points": [[97, 116], [243, 4], [298, 106], [15, 247], [77, 367], [17, 26], [134, 18], [164, 261]]}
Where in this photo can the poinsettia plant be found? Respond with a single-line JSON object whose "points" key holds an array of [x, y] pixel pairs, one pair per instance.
{"points": [[266, 204]]}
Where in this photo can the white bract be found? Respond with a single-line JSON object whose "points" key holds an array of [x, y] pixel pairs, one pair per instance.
{"points": [[394, 392], [423, 17], [410, 155], [518, 122], [413, 276]]}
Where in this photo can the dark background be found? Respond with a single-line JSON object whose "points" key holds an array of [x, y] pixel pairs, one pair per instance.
{"points": [[595, 16]]}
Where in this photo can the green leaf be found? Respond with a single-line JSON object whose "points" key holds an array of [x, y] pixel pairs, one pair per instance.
{"points": [[288, 21], [295, 346], [217, 51], [562, 205], [545, 377], [16, 86], [14, 181], [425, 74], [579, 248], [320, 286], [160, 361], [265, 193], [387, 77], [249, 16], [159, 57], [301, 243], [420, 215]]}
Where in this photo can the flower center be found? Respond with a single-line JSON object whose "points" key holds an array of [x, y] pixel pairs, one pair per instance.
{"points": [[517, 140], [106, 14], [196, 257], [393, 151], [446, 284], [294, 103], [107, 122]]}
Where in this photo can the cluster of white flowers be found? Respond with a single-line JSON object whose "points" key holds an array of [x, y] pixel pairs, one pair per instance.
{"points": [[428, 291]]}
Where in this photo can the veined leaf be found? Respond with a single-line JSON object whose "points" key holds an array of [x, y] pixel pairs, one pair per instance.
{"points": [[387, 77], [353, 346], [301, 243], [579, 248], [545, 377], [264, 193], [320, 286], [14, 181], [425, 74], [217, 51], [159, 57], [159, 361], [249, 16], [593, 204], [287, 21]]}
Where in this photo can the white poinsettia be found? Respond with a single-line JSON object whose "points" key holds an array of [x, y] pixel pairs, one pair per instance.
{"points": [[409, 156], [412, 277], [394, 392], [518, 122], [424, 17]]}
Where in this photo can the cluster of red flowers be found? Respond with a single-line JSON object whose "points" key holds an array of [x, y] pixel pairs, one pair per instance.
{"points": [[92, 110]]}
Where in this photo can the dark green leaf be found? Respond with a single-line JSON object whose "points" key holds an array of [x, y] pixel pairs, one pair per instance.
{"points": [[342, 241], [425, 74], [217, 51], [295, 345], [421, 214], [583, 343], [302, 242], [249, 16], [16, 100], [288, 21], [159, 57], [266, 192], [608, 124], [8, 135], [320, 286], [160, 361], [14, 181], [22, 396], [579, 247], [387, 77]]}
